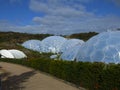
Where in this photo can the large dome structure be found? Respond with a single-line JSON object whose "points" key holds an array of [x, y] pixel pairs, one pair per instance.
{"points": [[17, 53], [70, 43], [5, 54], [33, 45], [70, 55], [52, 44], [104, 47], [13, 53]]}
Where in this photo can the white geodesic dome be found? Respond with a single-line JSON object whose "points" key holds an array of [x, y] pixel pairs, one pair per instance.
{"points": [[17, 54], [104, 47], [14, 54], [70, 43], [33, 45], [70, 55], [5, 54], [52, 44]]}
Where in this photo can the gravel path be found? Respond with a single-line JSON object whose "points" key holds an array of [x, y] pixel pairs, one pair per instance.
{"points": [[23, 78]]}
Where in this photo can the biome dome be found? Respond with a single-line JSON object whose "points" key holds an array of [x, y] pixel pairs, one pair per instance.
{"points": [[17, 53], [5, 54], [13, 53], [33, 45], [52, 44], [70, 55], [104, 47], [70, 43]]}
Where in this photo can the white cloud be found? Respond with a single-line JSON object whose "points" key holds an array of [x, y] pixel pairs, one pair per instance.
{"points": [[70, 17], [59, 8], [64, 17], [53, 25]]}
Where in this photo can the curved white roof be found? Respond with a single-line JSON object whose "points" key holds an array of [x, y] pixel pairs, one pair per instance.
{"points": [[71, 54], [104, 47], [12, 54], [33, 45], [53, 56], [70, 43], [6, 54], [17, 54], [52, 44]]}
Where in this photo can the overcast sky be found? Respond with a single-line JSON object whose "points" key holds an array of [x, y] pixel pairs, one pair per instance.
{"points": [[59, 16]]}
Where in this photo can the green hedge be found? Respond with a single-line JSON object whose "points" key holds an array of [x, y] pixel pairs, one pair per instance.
{"points": [[92, 76]]}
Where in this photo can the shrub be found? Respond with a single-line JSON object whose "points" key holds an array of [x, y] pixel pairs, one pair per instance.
{"points": [[92, 76]]}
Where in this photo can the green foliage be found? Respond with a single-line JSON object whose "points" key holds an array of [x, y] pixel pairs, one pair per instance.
{"points": [[92, 76], [14, 37], [83, 36]]}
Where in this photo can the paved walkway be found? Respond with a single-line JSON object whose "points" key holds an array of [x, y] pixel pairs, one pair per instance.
{"points": [[23, 78]]}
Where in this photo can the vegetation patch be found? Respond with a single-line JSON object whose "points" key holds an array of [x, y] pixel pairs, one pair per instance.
{"points": [[92, 76]]}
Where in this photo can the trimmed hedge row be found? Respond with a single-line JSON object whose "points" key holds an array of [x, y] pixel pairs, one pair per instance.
{"points": [[92, 76]]}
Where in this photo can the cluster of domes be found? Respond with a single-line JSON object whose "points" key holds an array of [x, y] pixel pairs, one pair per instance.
{"points": [[53, 44], [104, 47]]}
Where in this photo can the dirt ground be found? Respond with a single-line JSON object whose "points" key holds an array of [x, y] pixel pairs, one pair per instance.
{"points": [[18, 77]]}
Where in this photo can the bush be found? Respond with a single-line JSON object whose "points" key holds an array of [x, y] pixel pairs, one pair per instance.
{"points": [[92, 76]]}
